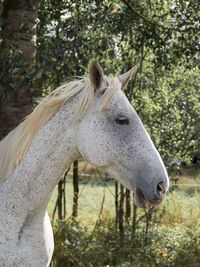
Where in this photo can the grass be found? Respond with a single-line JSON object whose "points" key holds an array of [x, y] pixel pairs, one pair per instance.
{"points": [[90, 200], [181, 207]]}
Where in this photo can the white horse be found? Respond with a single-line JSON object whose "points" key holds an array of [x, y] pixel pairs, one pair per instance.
{"points": [[90, 119]]}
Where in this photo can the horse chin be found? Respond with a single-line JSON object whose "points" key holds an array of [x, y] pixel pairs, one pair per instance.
{"points": [[140, 200]]}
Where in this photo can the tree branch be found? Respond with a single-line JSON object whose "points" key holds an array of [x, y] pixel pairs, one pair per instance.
{"points": [[134, 11], [155, 23]]}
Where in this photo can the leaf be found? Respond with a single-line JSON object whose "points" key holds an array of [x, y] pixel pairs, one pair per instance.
{"points": [[114, 10]]}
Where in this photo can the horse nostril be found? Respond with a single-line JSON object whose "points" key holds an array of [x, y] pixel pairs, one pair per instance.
{"points": [[160, 190]]}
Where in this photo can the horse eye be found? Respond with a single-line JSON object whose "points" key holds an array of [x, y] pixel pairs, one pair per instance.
{"points": [[122, 121]]}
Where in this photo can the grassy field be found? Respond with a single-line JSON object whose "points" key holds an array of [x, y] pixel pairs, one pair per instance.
{"points": [[173, 239]]}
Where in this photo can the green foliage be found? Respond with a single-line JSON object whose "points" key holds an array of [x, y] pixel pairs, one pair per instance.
{"points": [[16, 72], [161, 247], [170, 109]]}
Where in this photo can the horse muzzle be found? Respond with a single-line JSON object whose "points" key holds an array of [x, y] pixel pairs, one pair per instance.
{"points": [[145, 200]]}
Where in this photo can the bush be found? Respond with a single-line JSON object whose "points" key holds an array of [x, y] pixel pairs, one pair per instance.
{"points": [[75, 245]]}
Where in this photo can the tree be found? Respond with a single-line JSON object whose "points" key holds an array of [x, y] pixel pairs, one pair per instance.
{"points": [[18, 49]]}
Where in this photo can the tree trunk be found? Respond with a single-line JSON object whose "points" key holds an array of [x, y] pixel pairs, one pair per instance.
{"points": [[134, 216], [59, 200], [116, 204], [76, 189], [121, 216], [20, 17], [128, 205], [19, 34]]}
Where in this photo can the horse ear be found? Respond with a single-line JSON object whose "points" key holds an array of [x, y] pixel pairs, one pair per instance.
{"points": [[96, 74], [124, 78]]}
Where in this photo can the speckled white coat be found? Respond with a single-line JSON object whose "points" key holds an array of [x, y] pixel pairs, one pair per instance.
{"points": [[113, 139]]}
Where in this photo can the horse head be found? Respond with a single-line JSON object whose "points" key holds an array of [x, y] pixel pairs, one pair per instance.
{"points": [[112, 136]]}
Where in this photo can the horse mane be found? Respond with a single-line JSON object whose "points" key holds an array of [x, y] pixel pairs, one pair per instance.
{"points": [[15, 145]]}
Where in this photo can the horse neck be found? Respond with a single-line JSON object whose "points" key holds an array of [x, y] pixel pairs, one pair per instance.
{"points": [[47, 158]]}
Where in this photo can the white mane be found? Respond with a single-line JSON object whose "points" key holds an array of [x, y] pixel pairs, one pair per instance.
{"points": [[15, 145]]}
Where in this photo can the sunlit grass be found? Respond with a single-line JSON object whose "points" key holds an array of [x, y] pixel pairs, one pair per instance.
{"points": [[91, 196], [181, 207]]}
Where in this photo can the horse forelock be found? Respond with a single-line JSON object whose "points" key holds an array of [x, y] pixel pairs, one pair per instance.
{"points": [[19, 139], [113, 85]]}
